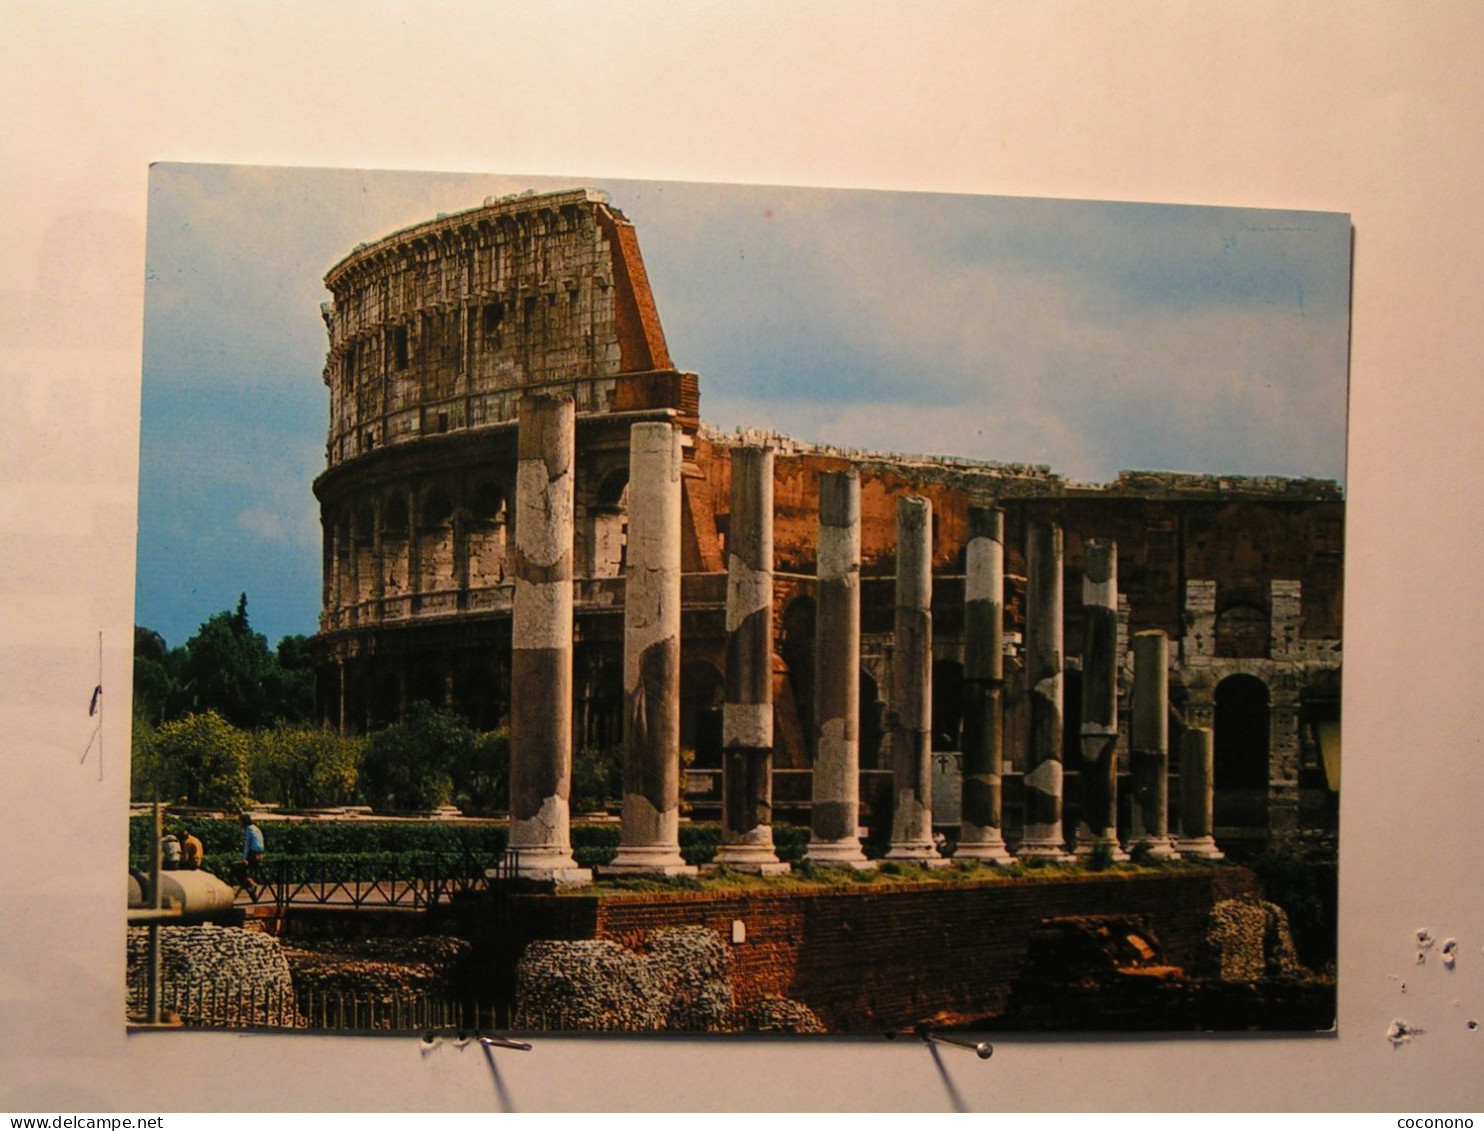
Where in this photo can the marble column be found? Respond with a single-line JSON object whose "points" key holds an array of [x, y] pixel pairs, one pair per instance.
{"points": [[747, 707], [912, 687], [1197, 800], [834, 839], [980, 834], [650, 839], [541, 644], [1043, 838], [1149, 745], [1098, 827]]}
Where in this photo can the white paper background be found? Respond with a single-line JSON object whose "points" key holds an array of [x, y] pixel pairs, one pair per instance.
{"points": [[1366, 108]]}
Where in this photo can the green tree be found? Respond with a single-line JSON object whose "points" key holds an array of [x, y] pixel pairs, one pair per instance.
{"points": [[410, 766], [305, 767], [145, 778], [159, 686], [227, 668], [202, 760], [481, 773]]}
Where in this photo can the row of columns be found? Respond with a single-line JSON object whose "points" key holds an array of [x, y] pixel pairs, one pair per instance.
{"points": [[541, 739]]}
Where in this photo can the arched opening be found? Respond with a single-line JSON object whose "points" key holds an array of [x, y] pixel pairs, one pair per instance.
{"points": [[394, 543], [1242, 633], [435, 541], [948, 705], [608, 526], [871, 729], [486, 535], [1241, 751], [701, 695], [796, 649]]}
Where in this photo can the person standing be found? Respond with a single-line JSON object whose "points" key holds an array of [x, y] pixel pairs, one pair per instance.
{"points": [[252, 856], [192, 852]]}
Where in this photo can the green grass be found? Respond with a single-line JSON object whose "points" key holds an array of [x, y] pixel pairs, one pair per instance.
{"points": [[887, 874]]}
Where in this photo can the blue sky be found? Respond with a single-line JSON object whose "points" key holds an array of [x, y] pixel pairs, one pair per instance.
{"points": [[1093, 337]]}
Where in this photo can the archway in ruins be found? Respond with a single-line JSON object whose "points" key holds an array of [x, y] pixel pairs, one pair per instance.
{"points": [[1242, 740], [701, 695]]}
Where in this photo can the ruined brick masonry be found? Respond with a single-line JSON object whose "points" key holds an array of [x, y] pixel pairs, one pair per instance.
{"points": [[437, 331]]}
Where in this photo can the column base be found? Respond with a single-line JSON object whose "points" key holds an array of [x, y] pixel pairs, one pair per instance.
{"points": [[642, 861], [1199, 848], [983, 844], [1088, 844], [924, 855], [547, 866], [1045, 851], [1158, 848], [749, 867], [838, 854]]}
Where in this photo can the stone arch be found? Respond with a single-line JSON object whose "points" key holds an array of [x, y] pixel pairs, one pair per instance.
{"points": [[487, 546], [1243, 632], [435, 548], [1242, 735], [702, 691], [608, 525]]}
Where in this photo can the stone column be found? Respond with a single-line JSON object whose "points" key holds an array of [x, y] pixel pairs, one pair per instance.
{"points": [[1043, 838], [981, 836], [912, 687], [650, 839], [1197, 767], [1149, 745], [1098, 828], [834, 841], [747, 709], [541, 643]]}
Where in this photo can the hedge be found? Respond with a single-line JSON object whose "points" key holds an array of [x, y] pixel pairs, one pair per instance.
{"points": [[592, 845]]}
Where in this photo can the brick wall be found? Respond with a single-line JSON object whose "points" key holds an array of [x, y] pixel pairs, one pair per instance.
{"points": [[877, 959]]}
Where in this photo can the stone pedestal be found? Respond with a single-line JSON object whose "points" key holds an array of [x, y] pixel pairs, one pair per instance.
{"points": [[835, 804], [1098, 827], [541, 644], [747, 708], [650, 839], [1149, 746], [1197, 765], [912, 687], [1044, 839], [981, 836]]}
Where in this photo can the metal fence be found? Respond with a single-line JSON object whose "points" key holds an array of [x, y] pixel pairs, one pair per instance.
{"points": [[225, 1004], [416, 882]]}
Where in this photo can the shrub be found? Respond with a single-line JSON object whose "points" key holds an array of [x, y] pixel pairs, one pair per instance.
{"points": [[409, 767], [305, 768], [202, 759]]}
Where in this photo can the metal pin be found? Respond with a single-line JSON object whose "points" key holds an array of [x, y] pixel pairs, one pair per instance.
{"points": [[504, 1043], [983, 1048]]}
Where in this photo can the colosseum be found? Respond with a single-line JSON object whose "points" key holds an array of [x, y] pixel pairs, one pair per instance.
{"points": [[437, 332]]}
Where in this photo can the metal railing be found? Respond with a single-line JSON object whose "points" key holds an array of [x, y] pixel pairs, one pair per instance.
{"points": [[418, 882], [233, 1004]]}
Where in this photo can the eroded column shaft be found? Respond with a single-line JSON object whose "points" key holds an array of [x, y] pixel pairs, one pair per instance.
{"points": [[1197, 796], [1098, 827], [835, 804], [650, 838], [1044, 680], [912, 685], [541, 642], [1149, 744], [981, 836], [747, 707]]}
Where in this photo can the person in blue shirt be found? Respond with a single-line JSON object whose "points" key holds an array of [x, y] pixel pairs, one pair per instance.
{"points": [[252, 854]]}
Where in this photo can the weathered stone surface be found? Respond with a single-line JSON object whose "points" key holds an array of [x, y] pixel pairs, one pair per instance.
{"points": [[1043, 837], [681, 983], [215, 976], [1252, 941], [981, 836]]}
